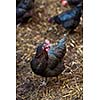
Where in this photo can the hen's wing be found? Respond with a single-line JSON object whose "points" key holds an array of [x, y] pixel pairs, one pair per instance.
{"points": [[67, 15], [55, 71]]}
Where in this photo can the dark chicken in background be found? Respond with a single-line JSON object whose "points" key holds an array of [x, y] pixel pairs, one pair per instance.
{"points": [[48, 60], [71, 3], [24, 11], [69, 19]]}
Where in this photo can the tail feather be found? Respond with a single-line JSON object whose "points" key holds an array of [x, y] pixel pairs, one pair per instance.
{"points": [[61, 48], [62, 41]]}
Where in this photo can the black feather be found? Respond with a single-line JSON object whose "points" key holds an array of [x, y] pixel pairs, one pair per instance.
{"points": [[74, 3]]}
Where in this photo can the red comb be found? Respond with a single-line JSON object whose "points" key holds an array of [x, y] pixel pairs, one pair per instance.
{"points": [[64, 2], [47, 41]]}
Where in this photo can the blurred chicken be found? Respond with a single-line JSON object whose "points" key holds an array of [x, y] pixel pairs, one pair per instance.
{"points": [[71, 3], [48, 60], [69, 19], [24, 11]]}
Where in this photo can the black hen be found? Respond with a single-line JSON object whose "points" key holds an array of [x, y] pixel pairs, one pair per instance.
{"points": [[69, 19], [71, 3], [48, 61], [24, 11]]}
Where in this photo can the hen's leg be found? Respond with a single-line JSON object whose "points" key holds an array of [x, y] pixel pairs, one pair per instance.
{"points": [[18, 25], [68, 31], [71, 31], [44, 82], [57, 80]]}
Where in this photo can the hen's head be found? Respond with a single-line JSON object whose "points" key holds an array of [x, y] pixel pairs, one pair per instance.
{"points": [[46, 45], [64, 2], [51, 20], [43, 48]]}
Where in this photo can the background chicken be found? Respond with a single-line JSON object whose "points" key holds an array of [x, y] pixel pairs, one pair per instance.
{"points": [[71, 3], [48, 61], [24, 11], [69, 19]]}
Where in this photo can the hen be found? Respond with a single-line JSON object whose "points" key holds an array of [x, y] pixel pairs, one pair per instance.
{"points": [[69, 19], [48, 60], [71, 3], [24, 11]]}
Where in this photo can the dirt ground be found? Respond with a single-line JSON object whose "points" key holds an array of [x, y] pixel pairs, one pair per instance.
{"points": [[28, 36]]}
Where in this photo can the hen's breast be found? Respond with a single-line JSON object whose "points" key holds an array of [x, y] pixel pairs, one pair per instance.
{"points": [[39, 65]]}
